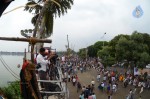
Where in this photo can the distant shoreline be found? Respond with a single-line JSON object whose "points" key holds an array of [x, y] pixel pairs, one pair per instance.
{"points": [[12, 53]]}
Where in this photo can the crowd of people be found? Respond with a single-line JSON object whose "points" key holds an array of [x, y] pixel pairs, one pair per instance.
{"points": [[70, 70], [107, 79]]}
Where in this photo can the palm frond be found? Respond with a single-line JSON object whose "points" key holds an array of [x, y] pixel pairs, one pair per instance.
{"points": [[34, 19], [56, 2], [48, 24], [64, 5], [33, 6], [50, 9]]}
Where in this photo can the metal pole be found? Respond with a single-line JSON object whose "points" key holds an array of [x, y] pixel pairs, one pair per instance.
{"points": [[103, 39], [68, 58], [68, 45], [68, 41]]}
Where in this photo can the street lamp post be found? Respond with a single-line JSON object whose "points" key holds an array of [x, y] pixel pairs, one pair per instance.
{"points": [[68, 51], [103, 37]]}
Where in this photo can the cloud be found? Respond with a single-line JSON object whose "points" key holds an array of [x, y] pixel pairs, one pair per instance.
{"points": [[85, 23]]}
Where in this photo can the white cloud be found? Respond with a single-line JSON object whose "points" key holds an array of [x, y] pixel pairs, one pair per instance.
{"points": [[85, 23]]}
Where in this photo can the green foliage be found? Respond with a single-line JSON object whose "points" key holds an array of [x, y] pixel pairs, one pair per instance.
{"points": [[12, 91], [26, 32], [122, 49], [143, 59], [133, 48], [83, 53], [99, 45], [146, 38], [92, 51], [35, 9], [114, 42], [49, 10], [137, 37], [105, 55]]}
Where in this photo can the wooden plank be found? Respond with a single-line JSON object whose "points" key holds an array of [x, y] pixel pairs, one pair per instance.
{"points": [[50, 92], [49, 81], [30, 40]]}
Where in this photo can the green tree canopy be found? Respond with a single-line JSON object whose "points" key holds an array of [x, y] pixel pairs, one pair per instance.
{"points": [[134, 48]]}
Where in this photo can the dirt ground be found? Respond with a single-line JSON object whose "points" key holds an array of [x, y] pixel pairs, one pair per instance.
{"points": [[85, 79]]}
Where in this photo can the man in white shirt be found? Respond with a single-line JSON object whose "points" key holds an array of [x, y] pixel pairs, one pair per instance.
{"points": [[74, 81], [114, 88], [104, 78], [98, 77], [113, 78], [93, 82], [93, 95], [43, 66]]}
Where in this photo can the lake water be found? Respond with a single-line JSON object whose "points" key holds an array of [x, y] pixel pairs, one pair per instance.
{"points": [[12, 62]]}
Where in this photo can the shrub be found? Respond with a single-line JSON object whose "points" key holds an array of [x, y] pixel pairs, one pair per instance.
{"points": [[12, 91]]}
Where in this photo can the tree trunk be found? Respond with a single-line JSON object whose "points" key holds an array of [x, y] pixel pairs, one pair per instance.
{"points": [[36, 30], [40, 33]]}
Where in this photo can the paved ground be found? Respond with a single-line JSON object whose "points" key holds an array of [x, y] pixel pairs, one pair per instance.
{"points": [[85, 79]]}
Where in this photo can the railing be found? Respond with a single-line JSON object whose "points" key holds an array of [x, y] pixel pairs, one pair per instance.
{"points": [[62, 85], [53, 81], [49, 92]]}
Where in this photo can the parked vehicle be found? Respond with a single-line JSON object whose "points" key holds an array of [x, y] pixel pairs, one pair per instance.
{"points": [[148, 66]]}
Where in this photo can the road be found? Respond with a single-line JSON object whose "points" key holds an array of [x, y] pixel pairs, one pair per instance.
{"points": [[85, 79]]}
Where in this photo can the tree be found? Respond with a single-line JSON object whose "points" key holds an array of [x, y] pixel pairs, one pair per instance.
{"points": [[132, 49], [99, 45], [114, 41], [123, 49], [137, 37], [44, 15], [82, 53], [92, 51], [146, 38], [105, 55], [144, 59]]}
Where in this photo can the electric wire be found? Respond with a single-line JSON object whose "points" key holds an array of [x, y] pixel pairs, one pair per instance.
{"points": [[8, 66], [9, 70]]}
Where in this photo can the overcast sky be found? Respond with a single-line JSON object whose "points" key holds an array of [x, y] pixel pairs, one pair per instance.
{"points": [[85, 23]]}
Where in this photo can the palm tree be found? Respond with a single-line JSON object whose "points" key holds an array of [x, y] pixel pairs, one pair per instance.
{"points": [[45, 11]]}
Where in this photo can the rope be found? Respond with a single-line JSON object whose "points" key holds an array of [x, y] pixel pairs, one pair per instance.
{"points": [[32, 5], [13, 10], [32, 40], [9, 70]]}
